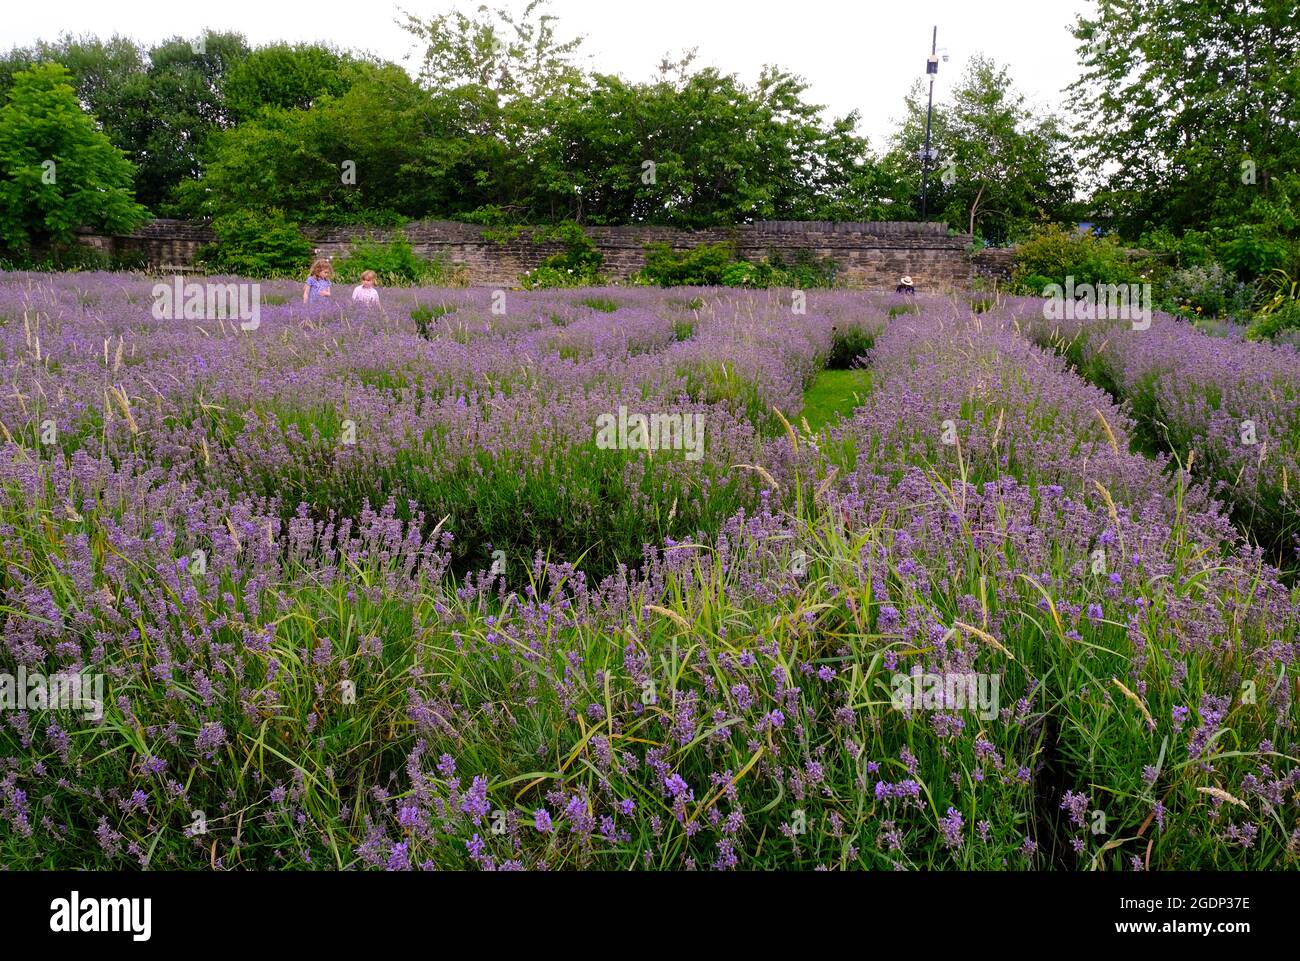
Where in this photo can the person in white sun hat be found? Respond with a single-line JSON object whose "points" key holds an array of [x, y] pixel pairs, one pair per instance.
{"points": [[905, 285]]}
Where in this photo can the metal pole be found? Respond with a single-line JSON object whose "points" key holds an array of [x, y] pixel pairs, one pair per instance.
{"points": [[929, 113]]}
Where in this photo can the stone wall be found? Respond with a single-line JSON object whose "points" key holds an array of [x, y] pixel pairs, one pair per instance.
{"points": [[993, 263], [163, 243], [868, 254]]}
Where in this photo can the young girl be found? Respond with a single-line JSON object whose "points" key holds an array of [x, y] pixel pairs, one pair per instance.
{"points": [[366, 291], [318, 281]]}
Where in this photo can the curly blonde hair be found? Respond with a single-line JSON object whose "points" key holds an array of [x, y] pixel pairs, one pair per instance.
{"points": [[320, 266]]}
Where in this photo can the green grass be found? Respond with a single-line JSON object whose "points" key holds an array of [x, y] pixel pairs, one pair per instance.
{"points": [[834, 394]]}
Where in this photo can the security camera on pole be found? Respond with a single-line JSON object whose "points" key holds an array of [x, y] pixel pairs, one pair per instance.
{"points": [[928, 155]]}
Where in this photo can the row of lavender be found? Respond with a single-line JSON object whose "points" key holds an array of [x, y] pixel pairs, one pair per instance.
{"points": [[759, 693], [1147, 626], [1228, 408]]}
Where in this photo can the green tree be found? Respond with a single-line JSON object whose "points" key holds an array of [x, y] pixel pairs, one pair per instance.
{"points": [[1192, 111], [499, 78], [99, 68], [284, 76], [1000, 167], [58, 171], [381, 149], [515, 58], [532, 138], [158, 105], [169, 112], [701, 149]]}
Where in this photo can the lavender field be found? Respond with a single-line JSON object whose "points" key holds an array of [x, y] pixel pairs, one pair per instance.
{"points": [[401, 587]]}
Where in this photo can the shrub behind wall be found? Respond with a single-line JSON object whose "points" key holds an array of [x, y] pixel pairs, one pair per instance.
{"points": [[253, 243]]}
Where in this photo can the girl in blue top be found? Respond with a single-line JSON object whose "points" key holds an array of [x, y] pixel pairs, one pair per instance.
{"points": [[318, 281]]}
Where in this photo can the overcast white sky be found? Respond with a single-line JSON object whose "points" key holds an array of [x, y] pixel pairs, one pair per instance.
{"points": [[856, 54]]}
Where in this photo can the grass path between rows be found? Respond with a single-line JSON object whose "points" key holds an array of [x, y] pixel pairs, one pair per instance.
{"points": [[834, 394]]}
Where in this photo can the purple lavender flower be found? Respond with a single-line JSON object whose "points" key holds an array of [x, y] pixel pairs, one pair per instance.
{"points": [[474, 802], [950, 825], [1077, 805], [211, 738], [676, 786]]}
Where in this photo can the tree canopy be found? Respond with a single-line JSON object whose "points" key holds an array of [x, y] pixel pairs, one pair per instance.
{"points": [[1193, 112], [57, 171], [1192, 131]]}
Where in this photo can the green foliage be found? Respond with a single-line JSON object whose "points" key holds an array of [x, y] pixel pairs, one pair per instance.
{"points": [[1252, 251], [577, 265], [552, 142], [741, 274], [395, 261], [171, 111], [1193, 248], [158, 105], [1220, 149], [1209, 291], [281, 76], [1009, 167], [543, 277], [700, 266], [257, 244], [504, 127], [1052, 253], [714, 265], [369, 155], [100, 68], [1280, 313], [715, 381], [75, 257], [700, 148], [515, 57], [579, 255], [495, 232], [1221, 271], [1268, 324], [605, 305], [805, 272], [1031, 284], [57, 171], [848, 344]]}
